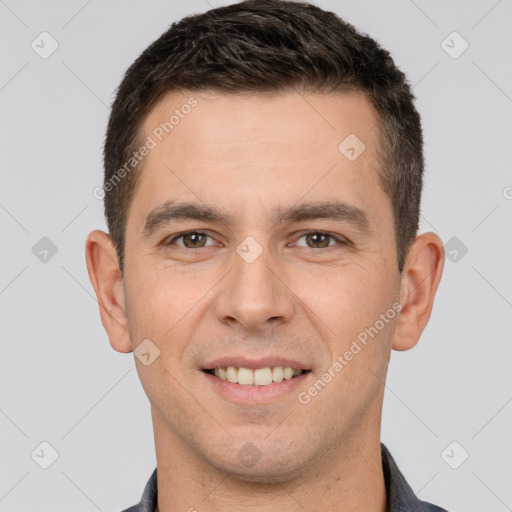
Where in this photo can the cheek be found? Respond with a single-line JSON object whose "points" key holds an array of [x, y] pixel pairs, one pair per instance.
{"points": [[158, 301], [346, 299], [162, 310], [359, 340]]}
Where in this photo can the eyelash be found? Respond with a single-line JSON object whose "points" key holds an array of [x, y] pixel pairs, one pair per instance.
{"points": [[340, 240]]}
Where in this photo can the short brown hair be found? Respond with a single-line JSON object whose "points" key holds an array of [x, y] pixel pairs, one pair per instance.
{"points": [[266, 46]]}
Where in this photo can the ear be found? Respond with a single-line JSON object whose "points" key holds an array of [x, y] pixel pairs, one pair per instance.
{"points": [[107, 280], [420, 278]]}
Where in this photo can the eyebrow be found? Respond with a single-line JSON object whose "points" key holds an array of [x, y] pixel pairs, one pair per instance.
{"points": [[172, 211]]}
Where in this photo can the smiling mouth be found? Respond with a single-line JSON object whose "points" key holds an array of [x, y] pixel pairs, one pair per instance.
{"points": [[255, 377]]}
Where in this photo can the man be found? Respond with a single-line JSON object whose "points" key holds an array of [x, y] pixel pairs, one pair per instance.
{"points": [[263, 174]]}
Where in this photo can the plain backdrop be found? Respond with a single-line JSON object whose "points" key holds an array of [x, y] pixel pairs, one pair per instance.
{"points": [[447, 409]]}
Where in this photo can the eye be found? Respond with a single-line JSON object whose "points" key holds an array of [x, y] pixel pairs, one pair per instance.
{"points": [[320, 240], [313, 240], [191, 240]]}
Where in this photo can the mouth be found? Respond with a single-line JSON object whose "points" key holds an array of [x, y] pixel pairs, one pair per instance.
{"points": [[264, 376]]}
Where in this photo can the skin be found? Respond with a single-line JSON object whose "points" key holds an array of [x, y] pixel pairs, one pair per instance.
{"points": [[298, 299]]}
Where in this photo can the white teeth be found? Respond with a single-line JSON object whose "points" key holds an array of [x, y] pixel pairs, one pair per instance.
{"points": [[277, 374], [231, 374], [258, 377], [262, 376], [288, 373], [245, 376]]}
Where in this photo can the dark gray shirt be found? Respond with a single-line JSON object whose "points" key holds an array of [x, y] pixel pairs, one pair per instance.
{"points": [[400, 496]]}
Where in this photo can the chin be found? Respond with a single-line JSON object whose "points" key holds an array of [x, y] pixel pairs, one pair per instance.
{"points": [[264, 470], [265, 475]]}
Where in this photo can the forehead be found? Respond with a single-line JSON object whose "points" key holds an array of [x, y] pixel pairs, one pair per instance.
{"points": [[278, 122], [245, 150]]}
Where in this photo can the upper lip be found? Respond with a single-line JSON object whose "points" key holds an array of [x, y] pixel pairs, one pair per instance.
{"points": [[246, 362]]}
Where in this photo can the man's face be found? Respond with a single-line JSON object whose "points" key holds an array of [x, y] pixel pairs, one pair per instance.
{"points": [[260, 288]]}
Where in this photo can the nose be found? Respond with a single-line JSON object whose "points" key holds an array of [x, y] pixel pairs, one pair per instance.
{"points": [[255, 295]]}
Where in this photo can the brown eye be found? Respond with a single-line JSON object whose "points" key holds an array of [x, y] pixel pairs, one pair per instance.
{"points": [[318, 240], [191, 240]]}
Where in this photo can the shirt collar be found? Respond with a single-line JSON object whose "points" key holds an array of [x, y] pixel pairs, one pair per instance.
{"points": [[400, 496]]}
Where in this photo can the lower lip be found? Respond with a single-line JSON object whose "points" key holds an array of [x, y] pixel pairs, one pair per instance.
{"points": [[243, 395]]}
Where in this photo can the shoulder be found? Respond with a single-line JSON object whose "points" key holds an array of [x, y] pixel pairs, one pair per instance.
{"points": [[400, 496], [428, 507]]}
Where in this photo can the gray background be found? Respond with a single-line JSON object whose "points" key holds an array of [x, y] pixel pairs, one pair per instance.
{"points": [[62, 383]]}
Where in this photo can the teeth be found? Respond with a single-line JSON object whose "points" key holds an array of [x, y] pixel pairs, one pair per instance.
{"points": [[258, 377], [262, 376], [245, 376], [231, 374], [277, 374]]}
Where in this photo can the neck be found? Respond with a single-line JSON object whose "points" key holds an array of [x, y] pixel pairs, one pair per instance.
{"points": [[348, 479]]}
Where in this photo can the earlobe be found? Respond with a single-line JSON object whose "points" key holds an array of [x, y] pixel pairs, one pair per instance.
{"points": [[420, 279], [107, 281]]}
